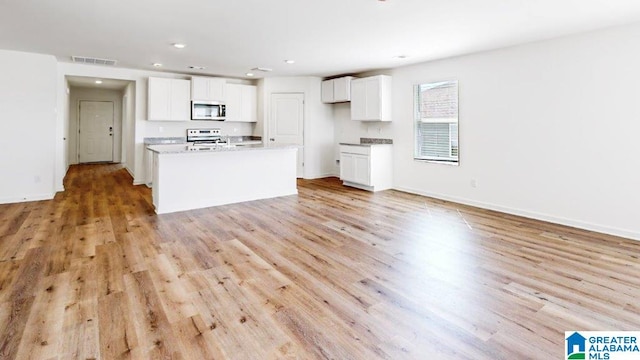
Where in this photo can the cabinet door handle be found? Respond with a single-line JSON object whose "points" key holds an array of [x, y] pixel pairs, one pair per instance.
{"points": [[272, 139]]}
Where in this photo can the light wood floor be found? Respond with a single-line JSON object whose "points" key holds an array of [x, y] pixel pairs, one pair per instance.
{"points": [[333, 273]]}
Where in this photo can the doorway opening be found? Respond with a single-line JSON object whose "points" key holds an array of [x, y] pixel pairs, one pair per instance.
{"points": [[99, 120]]}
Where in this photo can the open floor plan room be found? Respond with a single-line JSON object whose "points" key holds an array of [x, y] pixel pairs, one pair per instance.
{"points": [[363, 179], [330, 273]]}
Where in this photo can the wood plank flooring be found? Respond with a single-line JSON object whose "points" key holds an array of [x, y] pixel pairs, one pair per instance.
{"points": [[333, 273]]}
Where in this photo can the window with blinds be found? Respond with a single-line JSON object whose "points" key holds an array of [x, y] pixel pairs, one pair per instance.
{"points": [[436, 121]]}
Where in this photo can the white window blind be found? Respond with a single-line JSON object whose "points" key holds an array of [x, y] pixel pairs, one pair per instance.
{"points": [[436, 121]]}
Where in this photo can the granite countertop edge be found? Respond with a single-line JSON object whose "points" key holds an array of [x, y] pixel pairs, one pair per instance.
{"points": [[363, 145], [184, 149], [370, 142], [165, 140], [172, 140]]}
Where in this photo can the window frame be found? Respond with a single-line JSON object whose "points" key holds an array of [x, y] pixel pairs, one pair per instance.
{"points": [[417, 119]]}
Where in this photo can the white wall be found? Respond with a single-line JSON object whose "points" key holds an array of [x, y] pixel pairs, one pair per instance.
{"points": [[129, 127], [27, 126], [61, 140], [78, 94], [318, 121], [142, 127], [549, 130]]}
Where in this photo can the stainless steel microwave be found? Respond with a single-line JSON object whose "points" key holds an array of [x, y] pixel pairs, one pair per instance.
{"points": [[208, 110]]}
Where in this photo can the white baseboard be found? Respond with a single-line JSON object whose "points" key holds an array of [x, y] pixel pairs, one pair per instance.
{"points": [[135, 181], [319, 176], [27, 198], [629, 234], [357, 186], [129, 171]]}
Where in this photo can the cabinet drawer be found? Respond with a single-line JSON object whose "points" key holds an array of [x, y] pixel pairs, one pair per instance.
{"points": [[360, 150]]}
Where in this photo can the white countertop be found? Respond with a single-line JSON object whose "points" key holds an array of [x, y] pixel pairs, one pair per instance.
{"points": [[190, 149]]}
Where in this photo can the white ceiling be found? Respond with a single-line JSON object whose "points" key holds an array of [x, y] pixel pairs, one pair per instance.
{"points": [[325, 37]]}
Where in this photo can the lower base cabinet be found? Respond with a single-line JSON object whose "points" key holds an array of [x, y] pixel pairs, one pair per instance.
{"points": [[366, 167], [355, 168]]}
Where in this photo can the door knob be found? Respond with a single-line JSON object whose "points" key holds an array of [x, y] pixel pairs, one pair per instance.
{"points": [[272, 139]]}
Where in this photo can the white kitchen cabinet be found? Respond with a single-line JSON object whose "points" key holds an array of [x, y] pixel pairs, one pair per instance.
{"points": [[342, 89], [207, 88], [355, 168], [366, 167], [336, 90], [347, 166], [327, 92], [168, 99], [242, 103], [371, 98]]}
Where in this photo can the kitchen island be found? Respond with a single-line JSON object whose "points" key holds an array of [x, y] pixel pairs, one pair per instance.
{"points": [[187, 177]]}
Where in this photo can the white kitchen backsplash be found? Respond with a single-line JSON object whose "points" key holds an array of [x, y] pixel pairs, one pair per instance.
{"points": [[179, 128], [347, 130]]}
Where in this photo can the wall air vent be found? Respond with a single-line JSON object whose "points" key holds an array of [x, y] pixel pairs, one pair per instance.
{"points": [[93, 61]]}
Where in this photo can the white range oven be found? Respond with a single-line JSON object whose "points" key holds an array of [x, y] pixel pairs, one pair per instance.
{"points": [[205, 139]]}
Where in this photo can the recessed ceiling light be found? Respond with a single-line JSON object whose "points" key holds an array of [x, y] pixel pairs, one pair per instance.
{"points": [[196, 67], [263, 69], [98, 81], [249, 74], [290, 61], [157, 64], [400, 57], [179, 45]]}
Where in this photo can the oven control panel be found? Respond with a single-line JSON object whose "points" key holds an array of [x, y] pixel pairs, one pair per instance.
{"points": [[203, 135]]}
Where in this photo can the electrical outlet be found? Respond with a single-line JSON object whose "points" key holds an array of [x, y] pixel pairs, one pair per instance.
{"points": [[474, 183], [160, 129], [36, 179]]}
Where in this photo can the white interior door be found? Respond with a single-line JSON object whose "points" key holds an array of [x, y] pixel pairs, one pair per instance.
{"points": [[286, 123], [95, 131]]}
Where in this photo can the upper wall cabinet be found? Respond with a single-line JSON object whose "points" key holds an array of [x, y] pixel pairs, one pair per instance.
{"points": [[242, 103], [207, 88], [336, 90], [168, 99], [371, 98]]}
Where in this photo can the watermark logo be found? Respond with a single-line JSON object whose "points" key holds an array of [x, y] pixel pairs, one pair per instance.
{"points": [[602, 345], [576, 344]]}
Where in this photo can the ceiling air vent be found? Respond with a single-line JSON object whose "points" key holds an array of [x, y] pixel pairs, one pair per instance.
{"points": [[91, 60], [263, 69]]}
